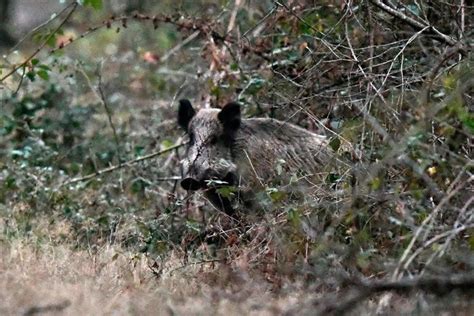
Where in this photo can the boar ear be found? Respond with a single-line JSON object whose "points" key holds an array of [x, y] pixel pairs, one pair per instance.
{"points": [[185, 113], [230, 116]]}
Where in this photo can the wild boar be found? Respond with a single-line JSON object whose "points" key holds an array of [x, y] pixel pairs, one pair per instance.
{"points": [[226, 149]]}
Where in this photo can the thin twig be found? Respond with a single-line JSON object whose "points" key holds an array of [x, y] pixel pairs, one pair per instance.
{"points": [[452, 190], [414, 23], [51, 19], [22, 77], [108, 112], [178, 47], [27, 60], [269, 13], [125, 164], [322, 40], [233, 16]]}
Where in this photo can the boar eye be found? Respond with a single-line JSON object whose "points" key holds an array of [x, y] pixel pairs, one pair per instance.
{"points": [[213, 140]]}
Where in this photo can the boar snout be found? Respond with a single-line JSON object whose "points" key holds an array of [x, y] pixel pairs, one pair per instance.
{"points": [[192, 184]]}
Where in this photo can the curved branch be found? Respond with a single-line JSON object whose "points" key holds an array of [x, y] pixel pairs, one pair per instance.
{"points": [[24, 63], [125, 164], [414, 23], [364, 290]]}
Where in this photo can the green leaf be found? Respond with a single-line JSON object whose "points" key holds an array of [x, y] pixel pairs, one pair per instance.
{"points": [[376, 183], [31, 75], [363, 261], [140, 151], [449, 82], [469, 122], [414, 9], [254, 85], [34, 61], [52, 41], [471, 242], [414, 140], [138, 186], [216, 91], [7, 125], [294, 217], [227, 191], [44, 67], [193, 225], [335, 143], [165, 144], [43, 74], [332, 178], [10, 182], [96, 4], [278, 196], [466, 118], [24, 152]]}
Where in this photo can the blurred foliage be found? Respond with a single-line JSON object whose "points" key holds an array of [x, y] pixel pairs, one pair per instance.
{"points": [[298, 65]]}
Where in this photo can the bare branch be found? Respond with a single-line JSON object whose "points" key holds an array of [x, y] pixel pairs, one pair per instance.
{"points": [[125, 164], [364, 289], [414, 23], [73, 6], [108, 112]]}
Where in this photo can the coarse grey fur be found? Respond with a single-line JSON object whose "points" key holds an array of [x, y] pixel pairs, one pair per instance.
{"points": [[265, 141], [245, 152]]}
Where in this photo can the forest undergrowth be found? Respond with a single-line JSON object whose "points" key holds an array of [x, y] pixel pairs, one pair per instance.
{"points": [[92, 217]]}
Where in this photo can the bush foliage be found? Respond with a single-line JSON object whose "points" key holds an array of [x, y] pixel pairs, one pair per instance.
{"points": [[389, 82]]}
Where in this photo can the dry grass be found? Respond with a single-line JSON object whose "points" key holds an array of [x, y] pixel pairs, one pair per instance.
{"points": [[55, 279], [400, 98], [52, 279], [45, 273]]}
